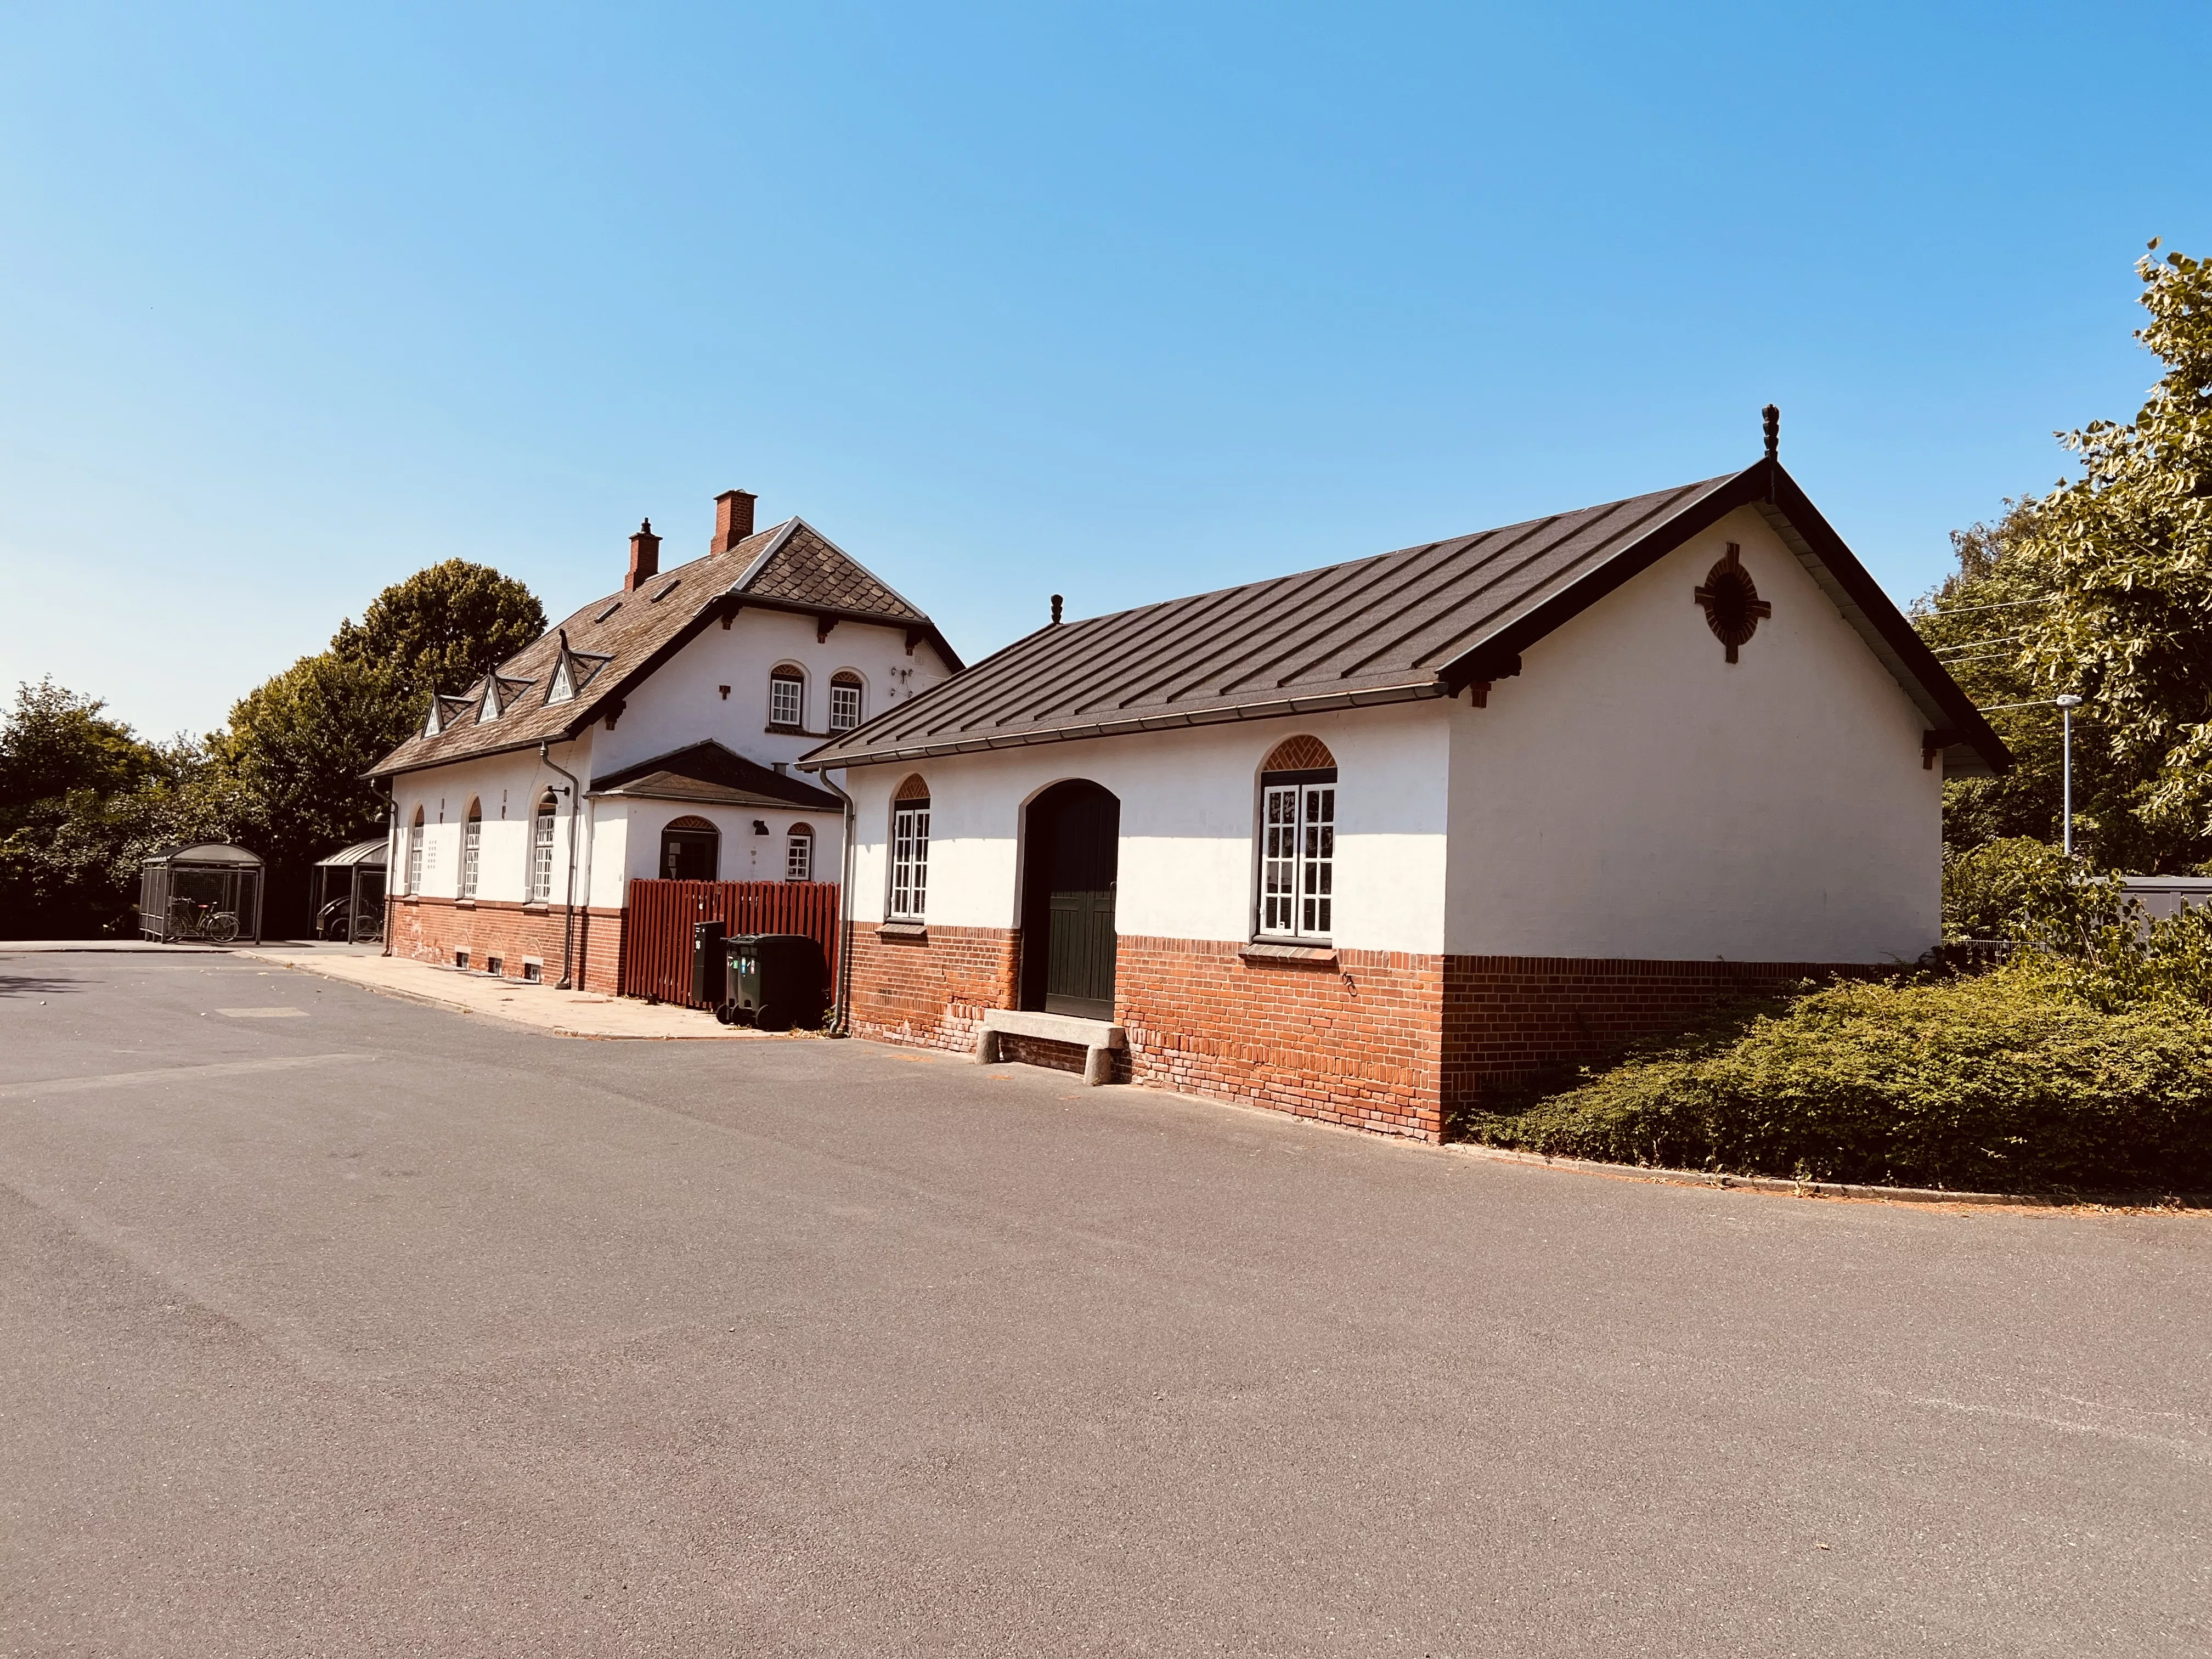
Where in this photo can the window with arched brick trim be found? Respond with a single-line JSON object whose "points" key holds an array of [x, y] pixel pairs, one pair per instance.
{"points": [[1296, 898], [910, 894], [787, 696], [845, 698], [415, 852], [798, 852], [1298, 754], [541, 850], [471, 848]]}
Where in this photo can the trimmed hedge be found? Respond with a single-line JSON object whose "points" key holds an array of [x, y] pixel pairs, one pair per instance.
{"points": [[2005, 1082]]}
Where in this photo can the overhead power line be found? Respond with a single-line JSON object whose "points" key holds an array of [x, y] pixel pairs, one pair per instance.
{"points": [[1994, 638], [2002, 605]]}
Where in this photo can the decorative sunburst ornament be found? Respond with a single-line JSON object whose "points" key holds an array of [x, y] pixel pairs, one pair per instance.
{"points": [[1732, 607]]}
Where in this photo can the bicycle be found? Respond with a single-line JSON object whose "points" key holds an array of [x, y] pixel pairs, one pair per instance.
{"points": [[341, 924], [189, 919]]}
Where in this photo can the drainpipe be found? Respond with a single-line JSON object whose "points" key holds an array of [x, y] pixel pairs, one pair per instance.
{"points": [[568, 915], [391, 863], [841, 1024], [584, 933]]}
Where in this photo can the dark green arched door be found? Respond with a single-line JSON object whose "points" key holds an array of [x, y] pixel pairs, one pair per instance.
{"points": [[1070, 865]]}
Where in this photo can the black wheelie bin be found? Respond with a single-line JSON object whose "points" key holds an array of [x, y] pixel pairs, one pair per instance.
{"points": [[776, 981], [706, 962]]}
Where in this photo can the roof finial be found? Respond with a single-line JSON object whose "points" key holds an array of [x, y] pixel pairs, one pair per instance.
{"points": [[1773, 417], [1055, 610]]}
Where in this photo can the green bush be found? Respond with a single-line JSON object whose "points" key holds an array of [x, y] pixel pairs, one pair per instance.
{"points": [[2010, 1081], [1990, 889]]}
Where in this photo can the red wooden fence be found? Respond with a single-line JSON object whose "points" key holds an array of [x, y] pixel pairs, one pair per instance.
{"points": [[656, 941]]}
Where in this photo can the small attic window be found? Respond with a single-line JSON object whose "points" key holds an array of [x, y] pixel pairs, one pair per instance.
{"points": [[606, 613], [665, 589]]}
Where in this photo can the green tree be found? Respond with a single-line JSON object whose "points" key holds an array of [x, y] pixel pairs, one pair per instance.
{"points": [[55, 741], [83, 800], [295, 750], [442, 628], [2127, 547], [2101, 589]]}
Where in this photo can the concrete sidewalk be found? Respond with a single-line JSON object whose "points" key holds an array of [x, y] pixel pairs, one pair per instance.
{"points": [[540, 1008]]}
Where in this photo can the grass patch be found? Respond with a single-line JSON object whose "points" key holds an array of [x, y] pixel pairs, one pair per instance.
{"points": [[2006, 1082]]}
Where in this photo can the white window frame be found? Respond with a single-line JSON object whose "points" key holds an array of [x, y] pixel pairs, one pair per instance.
{"points": [[909, 859], [799, 855], [541, 851], [1298, 857], [844, 707], [778, 696], [472, 852], [415, 853]]}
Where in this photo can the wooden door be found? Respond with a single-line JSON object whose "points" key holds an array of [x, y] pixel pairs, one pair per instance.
{"points": [[1079, 868]]}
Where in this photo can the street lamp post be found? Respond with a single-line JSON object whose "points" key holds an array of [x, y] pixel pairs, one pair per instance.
{"points": [[2067, 704]]}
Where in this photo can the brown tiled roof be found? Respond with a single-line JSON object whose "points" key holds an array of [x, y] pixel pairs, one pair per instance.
{"points": [[623, 637], [1423, 622], [708, 772]]}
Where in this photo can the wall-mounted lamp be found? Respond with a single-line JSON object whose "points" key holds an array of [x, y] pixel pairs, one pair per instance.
{"points": [[760, 826]]}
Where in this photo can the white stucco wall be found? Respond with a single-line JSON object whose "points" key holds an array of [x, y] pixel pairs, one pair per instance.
{"points": [[508, 787], [627, 841], [1632, 793], [682, 703], [1189, 799]]}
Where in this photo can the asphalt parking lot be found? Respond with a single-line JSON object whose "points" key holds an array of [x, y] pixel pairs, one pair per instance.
{"points": [[333, 1324]]}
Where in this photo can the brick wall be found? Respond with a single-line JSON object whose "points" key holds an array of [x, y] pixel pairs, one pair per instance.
{"points": [[1505, 1017], [930, 991], [1376, 1040], [433, 929], [1356, 1042]]}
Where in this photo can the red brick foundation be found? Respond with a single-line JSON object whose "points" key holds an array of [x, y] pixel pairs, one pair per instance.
{"points": [[1506, 1017], [433, 929], [1377, 1040], [1356, 1042], [930, 990]]}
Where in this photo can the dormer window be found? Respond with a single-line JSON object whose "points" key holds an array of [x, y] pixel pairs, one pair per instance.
{"points": [[572, 670]]}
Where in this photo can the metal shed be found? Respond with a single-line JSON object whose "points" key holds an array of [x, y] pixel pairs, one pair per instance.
{"points": [[210, 890], [350, 892]]}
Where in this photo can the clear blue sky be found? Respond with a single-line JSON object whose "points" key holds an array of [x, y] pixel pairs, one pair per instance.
{"points": [[1121, 301]]}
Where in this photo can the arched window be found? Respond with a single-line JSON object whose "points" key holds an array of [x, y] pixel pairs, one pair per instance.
{"points": [[541, 850], [786, 698], [910, 850], [690, 850], [471, 849], [1297, 839], [415, 853], [798, 852], [844, 699]]}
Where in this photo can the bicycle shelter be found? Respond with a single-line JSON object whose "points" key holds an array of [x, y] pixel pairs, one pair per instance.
{"points": [[353, 879], [182, 891]]}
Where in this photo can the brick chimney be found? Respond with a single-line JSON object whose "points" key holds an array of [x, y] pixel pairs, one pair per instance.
{"points": [[733, 519], [644, 557]]}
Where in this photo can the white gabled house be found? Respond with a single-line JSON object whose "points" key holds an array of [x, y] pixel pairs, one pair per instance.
{"points": [[1359, 842], [650, 735]]}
